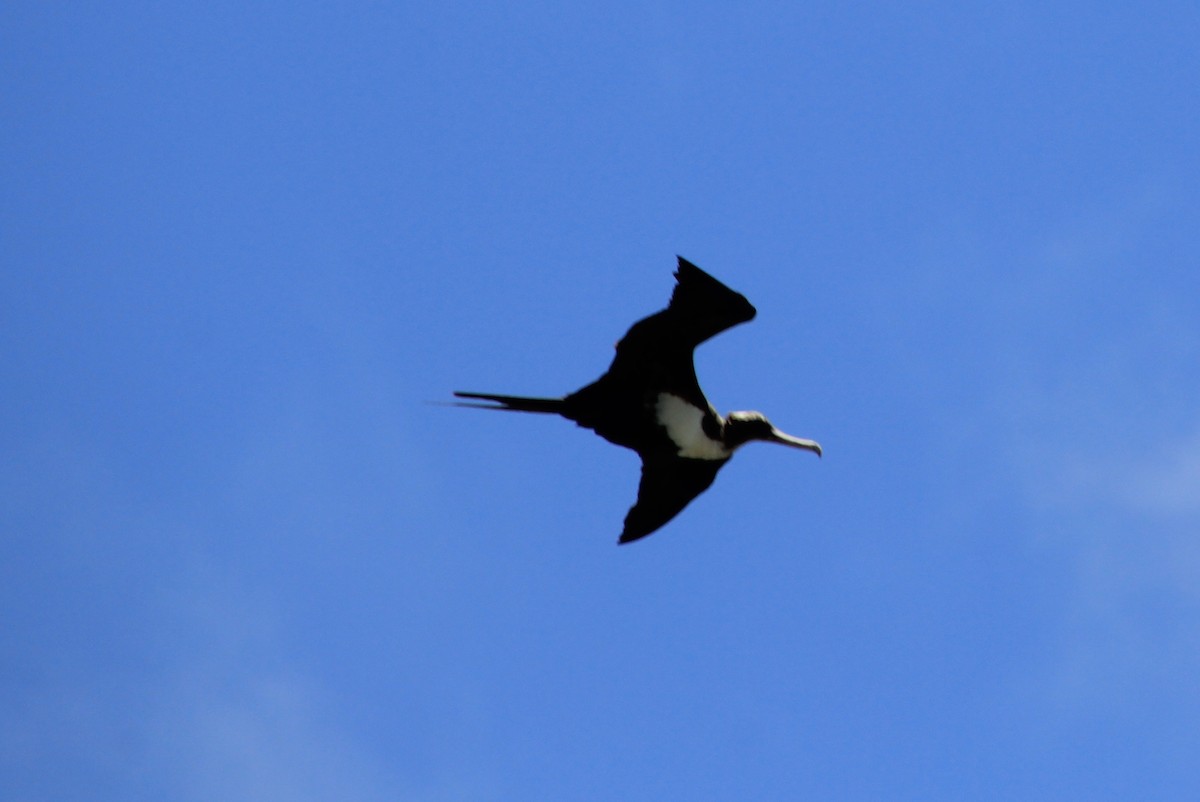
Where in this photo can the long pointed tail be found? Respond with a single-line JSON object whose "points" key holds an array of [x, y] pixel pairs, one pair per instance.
{"points": [[515, 403]]}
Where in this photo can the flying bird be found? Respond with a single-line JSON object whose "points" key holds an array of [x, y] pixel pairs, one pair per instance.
{"points": [[650, 401]]}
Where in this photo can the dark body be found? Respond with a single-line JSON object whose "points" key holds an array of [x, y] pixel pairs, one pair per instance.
{"points": [[649, 400]]}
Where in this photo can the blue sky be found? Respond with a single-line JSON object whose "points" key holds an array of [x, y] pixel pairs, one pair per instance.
{"points": [[245, 244]]}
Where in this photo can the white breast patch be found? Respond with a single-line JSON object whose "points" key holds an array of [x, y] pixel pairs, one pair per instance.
{"points": [[682, 422]]}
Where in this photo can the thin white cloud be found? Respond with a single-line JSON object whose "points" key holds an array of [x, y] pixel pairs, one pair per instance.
{"points": [[1091, 410], [262, 736], [1168, 483], [238, 717], [193, 692], [1156, 487]]}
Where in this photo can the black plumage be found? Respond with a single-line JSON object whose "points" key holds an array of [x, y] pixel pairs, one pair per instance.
{"points": [[650, 401]]}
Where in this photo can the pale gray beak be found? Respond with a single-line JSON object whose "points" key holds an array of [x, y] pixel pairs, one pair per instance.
{"points": [[795, 442]]}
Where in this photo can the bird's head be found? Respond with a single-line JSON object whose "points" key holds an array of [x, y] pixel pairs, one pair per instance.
{"points": [[742, 427]]}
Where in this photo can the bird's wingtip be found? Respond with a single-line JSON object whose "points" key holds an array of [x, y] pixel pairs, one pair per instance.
{"points": [[628, 534]]}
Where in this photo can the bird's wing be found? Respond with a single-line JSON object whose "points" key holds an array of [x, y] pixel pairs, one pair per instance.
{"points": [[703, 307], [657, 350], [668, 485], [700, 307]]}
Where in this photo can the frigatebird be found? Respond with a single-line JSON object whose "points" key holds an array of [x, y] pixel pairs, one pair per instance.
{"points": [[650, 401]]}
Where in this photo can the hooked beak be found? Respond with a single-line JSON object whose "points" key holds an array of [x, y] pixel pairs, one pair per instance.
{"points": [[795, 442]]}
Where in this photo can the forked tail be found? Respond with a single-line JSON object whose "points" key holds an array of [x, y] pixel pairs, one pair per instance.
{"points": [[514, 403]]}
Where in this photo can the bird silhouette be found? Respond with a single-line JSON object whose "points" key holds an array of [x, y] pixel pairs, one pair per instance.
{"points": [[649, 400]]}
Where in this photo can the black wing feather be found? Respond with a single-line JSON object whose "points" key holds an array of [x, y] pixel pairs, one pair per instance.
{"points": [[702, 307], [668, 485], [656, 352]]}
